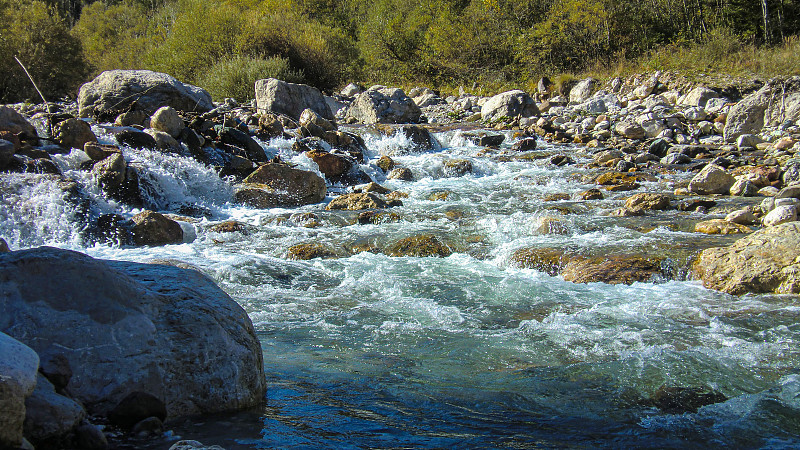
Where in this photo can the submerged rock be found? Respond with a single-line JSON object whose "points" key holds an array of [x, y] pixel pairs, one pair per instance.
{"points": [[767, 261], [614, 269], [679, 400], [420, 246], [126, 327]]}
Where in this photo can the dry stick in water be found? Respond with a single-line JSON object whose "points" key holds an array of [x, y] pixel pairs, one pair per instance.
{"points": [[47, 110]]}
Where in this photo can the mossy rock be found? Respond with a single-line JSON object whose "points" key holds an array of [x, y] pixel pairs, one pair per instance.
{"points": [[614, 269], [548, 260], [310, 250], [421, 246]]}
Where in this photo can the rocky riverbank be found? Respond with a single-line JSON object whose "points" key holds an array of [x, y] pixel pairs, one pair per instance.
{"points": [[736, 149]]}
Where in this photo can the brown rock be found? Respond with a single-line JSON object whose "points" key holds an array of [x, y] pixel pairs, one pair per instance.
{"points": [[401, 173], [332, 166], [230, 226], [420, 246], [720, 226], [288, 186], [152, 228], [548, 260], [99, 152], [310, 250], [647, 202], [592, 194], [73, 133], [614, 269], [386, 163], [767, 261], [357, 201]]}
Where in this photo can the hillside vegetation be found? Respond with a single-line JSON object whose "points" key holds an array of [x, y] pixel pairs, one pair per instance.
{"points": [[226, 45]]}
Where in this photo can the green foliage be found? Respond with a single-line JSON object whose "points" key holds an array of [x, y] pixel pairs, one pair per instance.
{"points": [[41, 40], [115, 37], [235, 76]]}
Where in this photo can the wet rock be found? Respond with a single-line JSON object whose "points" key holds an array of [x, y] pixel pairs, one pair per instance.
{"points": [[166, 119], [696, 204], [235, 137], [380, 104], [524, 145], [185, 340], [592, 194], [424, 245], [90, 437], [269, 126], [720, 226], [110, 172], [135, 407], [712, 179], [230, 226], [680, 400], [135, 138], [193, 445], [509, 104], [153, 229], [386, 163], [131, 118], [280, 97], [99, 152], [15, 123], [73, 133], [49, 417], [401, 173], [618, 181], [164, 141], [457, 167], [4, 246], [288, 186], [421, 138], [57, 370], [767, 261], [334, 167], [613, 269], [310, 250], [18, 366], [561, 160], [117, 91], [150, 426], [484, 139], [372, 187], [308, 118], [547, 260], [647, 202], [779, 215], [6, 153], [377, 217], [357, 201]]}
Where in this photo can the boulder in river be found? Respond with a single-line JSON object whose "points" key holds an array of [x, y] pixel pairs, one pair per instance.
{"points": [[381, 104], [357, 202], [279, 97], [152, 228], [509, 104], [18, 370], [285, 185], [166, 119], [15, 123], [126, 327], [423, 245], [767, 261], [117, 91], [614, 269], [73, 133], [713, 179]]}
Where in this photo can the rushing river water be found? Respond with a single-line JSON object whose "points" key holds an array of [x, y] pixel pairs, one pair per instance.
{"points": [[467, 351]]}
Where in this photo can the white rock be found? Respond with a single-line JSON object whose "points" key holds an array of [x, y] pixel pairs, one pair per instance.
{"points": [[713, 179], [779, 215]]}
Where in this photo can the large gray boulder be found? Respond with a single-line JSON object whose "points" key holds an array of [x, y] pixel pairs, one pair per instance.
{"points": [[18, 369], [776, 102], [699, 96], [280, 97], [48, 415], [380, 104], [509, 104], [582, 91], [126, 327], [117, 91], [767, 261]]}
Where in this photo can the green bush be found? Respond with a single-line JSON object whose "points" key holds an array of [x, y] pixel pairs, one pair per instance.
{"points": [[115, 37], [41, 40], [236, 76]]}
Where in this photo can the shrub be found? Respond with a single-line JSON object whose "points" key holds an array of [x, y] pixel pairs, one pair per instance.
{"points": [[35, 33], [114, 37], [236, 76]]}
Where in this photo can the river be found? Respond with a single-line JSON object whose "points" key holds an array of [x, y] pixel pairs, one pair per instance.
{"points": [[466, 351]]}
